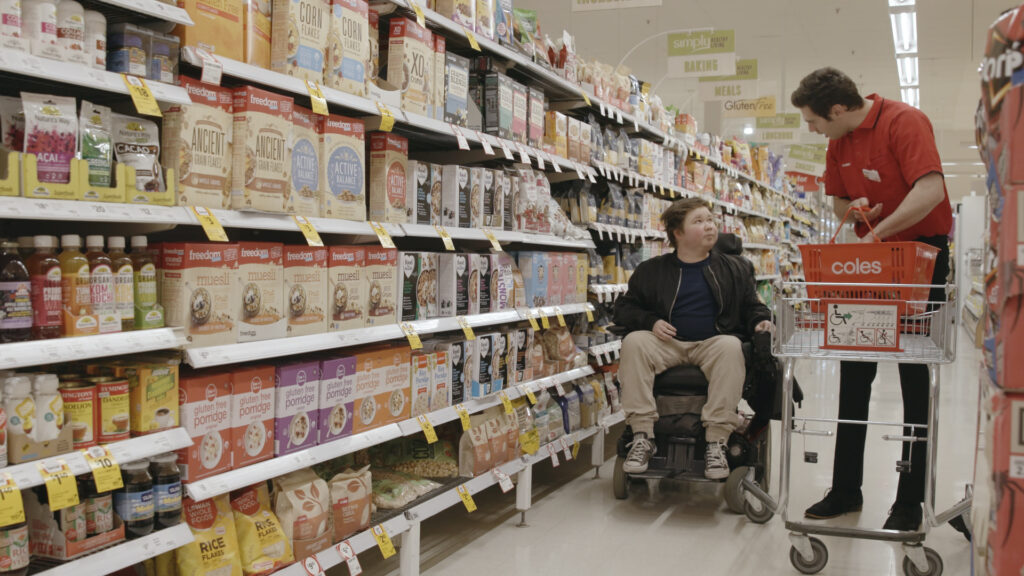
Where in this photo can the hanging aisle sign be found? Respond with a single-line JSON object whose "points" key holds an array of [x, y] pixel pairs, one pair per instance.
{"points": [[761, 107], [590, 5], [781, 128], [702, 53], [743, 84], [806, 158]]}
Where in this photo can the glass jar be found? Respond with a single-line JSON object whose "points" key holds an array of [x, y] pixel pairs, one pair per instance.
{"points": [[166, 489], [14, 554], [134, 503], [99, 507]]}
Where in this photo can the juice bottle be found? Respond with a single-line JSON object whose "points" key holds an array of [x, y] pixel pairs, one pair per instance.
{"points": [[124, 282], [76, 289], [15, 296], [148, 312], [101, 281], [26, 246], [47, 302]]}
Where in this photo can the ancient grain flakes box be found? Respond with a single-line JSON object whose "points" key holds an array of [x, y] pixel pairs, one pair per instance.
{"points": [[475, 208], [348, 46], [535, 114], [306, 289], [252, 414], [196, 143], [299, 38], [304, 193], [204, 401], [520, 112], [217, 27], [257, 30], [261, 169], [337, 389], [389, 155], [345, 293], [437, 79], [261, 279], [382, 388], [342, 159], [411, 63], [380, 286], [420, 383], [298, 398], [200, 291], [456, 89], [455, 196]]}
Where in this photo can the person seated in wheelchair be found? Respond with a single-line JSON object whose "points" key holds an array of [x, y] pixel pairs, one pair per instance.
{"points": [[691, 306]]}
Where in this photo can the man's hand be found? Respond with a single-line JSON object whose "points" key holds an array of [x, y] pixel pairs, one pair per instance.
{"points": [[664, 331], [764, 326], [872, 214]]}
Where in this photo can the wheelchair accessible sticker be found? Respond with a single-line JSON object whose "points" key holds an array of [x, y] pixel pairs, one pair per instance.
{"points": [[862, 325]]}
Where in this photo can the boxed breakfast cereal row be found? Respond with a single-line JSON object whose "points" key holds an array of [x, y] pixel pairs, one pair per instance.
{"points": [[455, 196], [345, 292], [388, 158], [296, 414], [305, 289], [204, 401], [261, 169], [418, 285], [337, 390], [196, 143], [200, 291], [252, 414], [460, 356], [348, 47], [261, 281], [380, 286], [417, 193], [342, 159], [411, 63], [304, 192], [437, 78], [456, 89], [382, 387], [299, 38]]}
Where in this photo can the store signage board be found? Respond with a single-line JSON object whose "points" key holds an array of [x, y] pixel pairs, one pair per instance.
{"points": [[862, 324], [743, 84], [779, 122], [761, 107], [702, 53], [803, 182], [591, 5], [807, 158]]}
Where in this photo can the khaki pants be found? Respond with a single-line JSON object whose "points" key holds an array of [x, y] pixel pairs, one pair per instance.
{"points": [[719, 357]]}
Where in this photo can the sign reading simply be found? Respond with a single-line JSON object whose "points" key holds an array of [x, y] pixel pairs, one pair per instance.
{"points": [[702, 53]]}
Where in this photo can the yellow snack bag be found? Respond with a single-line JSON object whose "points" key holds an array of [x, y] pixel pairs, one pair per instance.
{"points": [[264, 545], [215, 548]]}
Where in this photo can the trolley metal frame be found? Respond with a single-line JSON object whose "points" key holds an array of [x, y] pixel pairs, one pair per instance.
{"points": [[928, 336]]}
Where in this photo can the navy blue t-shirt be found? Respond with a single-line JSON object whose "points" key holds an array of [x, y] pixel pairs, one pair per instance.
{"points": [[695, 309]]}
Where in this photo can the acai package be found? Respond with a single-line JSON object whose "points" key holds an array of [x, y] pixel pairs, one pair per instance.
{"points": [[380, 286], [346, 266], [456, 89], [389, 154], [337, 393], [298, 399], [305, 288], [342, 159]]}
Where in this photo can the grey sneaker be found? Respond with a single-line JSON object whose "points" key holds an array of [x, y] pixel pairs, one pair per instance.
{"points": [[640, 451], [716, 467]]}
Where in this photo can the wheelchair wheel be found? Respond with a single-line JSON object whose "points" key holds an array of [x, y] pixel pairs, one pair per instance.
{"points": [[733, 492], [620, 484], [757, 513], [934, 564], [815, 564]]}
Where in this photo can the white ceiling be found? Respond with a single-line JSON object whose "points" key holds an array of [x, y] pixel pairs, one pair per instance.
{"points": [[793, 37]]}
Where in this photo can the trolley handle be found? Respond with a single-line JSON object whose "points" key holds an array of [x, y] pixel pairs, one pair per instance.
{"points": [[859, 210]]}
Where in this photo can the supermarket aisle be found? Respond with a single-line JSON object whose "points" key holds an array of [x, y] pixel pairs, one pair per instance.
{"points": [[580, 528]]}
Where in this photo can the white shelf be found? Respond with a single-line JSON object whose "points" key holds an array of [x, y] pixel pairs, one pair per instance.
{"points": [[27, 475], [25, 64], [757, 246], [126, 554], [762, 277], [606, 353], [40, 352], [503, 236], [608, 292], [154, 8], [621, 233]]}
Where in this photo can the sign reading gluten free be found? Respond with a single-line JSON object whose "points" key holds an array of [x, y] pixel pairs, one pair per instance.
{"points": [[702, 53]]}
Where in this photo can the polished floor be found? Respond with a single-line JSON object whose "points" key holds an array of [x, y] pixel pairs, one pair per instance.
{"points": [[576, 526]]}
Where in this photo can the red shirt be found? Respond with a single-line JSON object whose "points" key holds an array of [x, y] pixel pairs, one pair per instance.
{"points": [[882, 159]]}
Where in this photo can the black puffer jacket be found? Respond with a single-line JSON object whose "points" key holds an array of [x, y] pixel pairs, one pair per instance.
{"points": [[655, 283]]}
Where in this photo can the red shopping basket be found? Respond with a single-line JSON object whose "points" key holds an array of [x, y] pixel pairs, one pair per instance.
{"points": [[870, 265]]}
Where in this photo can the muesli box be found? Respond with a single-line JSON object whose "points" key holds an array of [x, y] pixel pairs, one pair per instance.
{"points": [[306, 289], [200, 291], [346, 287], [380, 286], [261, 281]]}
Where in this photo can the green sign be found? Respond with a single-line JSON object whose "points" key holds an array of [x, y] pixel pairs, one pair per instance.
{"points": [[807, 153], [746, 69], [702, 42], [780, 122]]}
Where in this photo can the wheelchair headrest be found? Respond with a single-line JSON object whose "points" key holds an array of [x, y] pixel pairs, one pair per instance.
{"points": [[729, 244]]}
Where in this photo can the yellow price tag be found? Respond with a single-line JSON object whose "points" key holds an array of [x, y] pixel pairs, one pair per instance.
{"points": [[387, 549], [530, 396], [507, 403], [466, 328], [463, 416], [467, 498], [214, 231], [428, 428], [493, 239], [308, 230], [586, 98], [142, 96], [421, 19], [316, 95], [382, 235], [530, 441], [472, 40], [545, 322], [558, 314], [575, 449], [590, 315], [387, 119], [445, 237], [533, 321], [105, 470], [61, 488], [12, 509], [410, 333]]}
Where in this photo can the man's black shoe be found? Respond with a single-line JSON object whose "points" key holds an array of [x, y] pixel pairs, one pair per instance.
{"points": [[836, 503], [904, 517]]}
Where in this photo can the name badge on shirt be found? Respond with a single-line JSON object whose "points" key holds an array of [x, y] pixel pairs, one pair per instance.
{"points": [[872, 175]]}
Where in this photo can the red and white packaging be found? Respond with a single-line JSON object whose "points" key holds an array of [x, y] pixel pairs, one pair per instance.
{"points": [[204, 402], [252, 415]]}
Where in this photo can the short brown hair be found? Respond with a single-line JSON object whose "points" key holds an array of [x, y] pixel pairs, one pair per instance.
{"points": [[824, 88], [675, 215]]}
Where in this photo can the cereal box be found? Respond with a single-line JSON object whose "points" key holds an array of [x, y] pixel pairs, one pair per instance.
{"points": [[509, 193], [499, 101], [196, 143], [492, 208], [499, 363], [420, 378], [482, 268], [436, 185], [348, 46], [417, 196], [374, 67], [261, 170], [457, 352], [533, 266], [256, 23], [389, 154], [502, 284], [342, 159], [304, 194], [337, 387], [261, 280], [299, 38], [152, 392], [305, 288], [217, 27], [411, 63], [200, 291], [485, 18], [447, 295], [535, 115], [409, 262], [437, 80], [523, 370], [456, 89], [455, 196], [440, 380], [520, 115], [556, 279], [204, 400], [586, 134], [582, 269], [462, 12], [573, 141], [346, 287], [556, 133], [476, 198], [252, 414], [473, 283], [382, 388], [298, 396], [380, 287], [482, 372]]}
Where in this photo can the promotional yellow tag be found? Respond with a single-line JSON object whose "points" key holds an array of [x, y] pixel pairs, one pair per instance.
{"points": [[421, 19], [494, 241], [105, 470], [472, 40], [575, 450], [467, 498], [382, 235], [214, 231], [145, 102], [387, 549], [387, 119], [530, 396], [308, 230], [533, 321], [545, 322], [530, 442], [410, 333], [590, 315], [316, 95], [12, 509], [463, 416], [428, 428], [585, 97], [61, 488], [445, 237], [558, 314], [507, 403], [466, 328]]}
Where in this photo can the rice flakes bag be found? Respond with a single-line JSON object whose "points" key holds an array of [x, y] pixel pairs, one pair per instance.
{"points": [[214, 552], [264, 545]]}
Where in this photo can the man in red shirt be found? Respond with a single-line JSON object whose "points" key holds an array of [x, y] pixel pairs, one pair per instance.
{"points": [[882, 158]]}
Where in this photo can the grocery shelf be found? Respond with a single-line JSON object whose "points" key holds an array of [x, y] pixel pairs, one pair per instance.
{"points": [[25, 64], [27, 475], [608, 292], [503, 236], [606, 353], [621, 232], [758, 246], [763, 277], [125, 554], [154, 8], [41, 352]]}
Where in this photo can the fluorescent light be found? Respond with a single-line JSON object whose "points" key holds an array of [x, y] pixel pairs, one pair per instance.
{"points": [[748, 129], [904, 31], [911, 95], [907, 67], [900, 3]]}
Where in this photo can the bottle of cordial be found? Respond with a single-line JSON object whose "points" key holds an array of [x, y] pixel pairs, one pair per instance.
{"points": [[15, 296], [124, 282], [101, 279], [148, 313], [44, 269], [76, 289]]}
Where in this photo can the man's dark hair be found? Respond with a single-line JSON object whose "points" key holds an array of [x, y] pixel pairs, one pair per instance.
{"points": [[824, 88], [674, 216]]}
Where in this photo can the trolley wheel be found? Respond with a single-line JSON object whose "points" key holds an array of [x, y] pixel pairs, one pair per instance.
{"points": [[620, 483], [734, 497], [757, 513], [815, 564], [934, 564]]}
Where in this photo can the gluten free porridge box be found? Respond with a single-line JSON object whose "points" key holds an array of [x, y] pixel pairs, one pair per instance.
{"points": [[298, 398], [199, 291], [342, 158], [337, 386], [252, 415], [345, 298], [305, 286], [261, 169], [205, 405], [380, 288], [382, 388], [197, 140]]}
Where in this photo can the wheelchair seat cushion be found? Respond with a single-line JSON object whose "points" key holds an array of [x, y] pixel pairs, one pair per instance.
{"points": [[682, 380]]}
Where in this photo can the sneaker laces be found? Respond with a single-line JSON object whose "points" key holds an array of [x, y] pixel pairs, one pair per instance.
{"points": [[639, 450], [715, 455]]}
